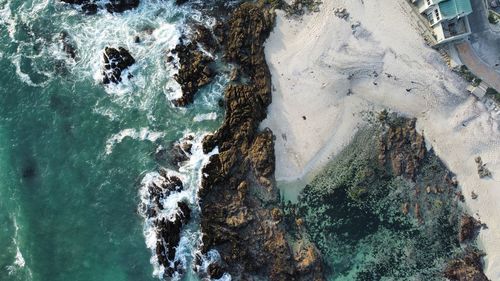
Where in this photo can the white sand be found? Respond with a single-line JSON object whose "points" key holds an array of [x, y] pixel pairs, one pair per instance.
{"points": [[311, 61]]}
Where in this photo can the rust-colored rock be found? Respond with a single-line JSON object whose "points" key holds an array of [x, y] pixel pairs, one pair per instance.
{"points": [[466, 268], [469, 227], [240, 215], [402, 148]]}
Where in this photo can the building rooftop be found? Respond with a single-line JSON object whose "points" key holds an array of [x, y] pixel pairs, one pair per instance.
{"points": [[455, 8]]}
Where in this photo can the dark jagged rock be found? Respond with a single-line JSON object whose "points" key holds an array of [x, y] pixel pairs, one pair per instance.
{"points": [[115, 61], [215, 271], [120, 6], [194, 71], [157, 192], [180, 2], [169, 232], [469, 228], [239, 198], [466, 268], [181, 150], [89, 8], [113, 6], [67, 46]]}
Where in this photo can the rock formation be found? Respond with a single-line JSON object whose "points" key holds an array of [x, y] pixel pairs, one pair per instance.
{"points": [[120, 6], [469, 227], [67, 46], [239, 198], [482, 171], [403, 159], [194, 71], [466, 268], [112, 6], [168, 229], [115, 61]]}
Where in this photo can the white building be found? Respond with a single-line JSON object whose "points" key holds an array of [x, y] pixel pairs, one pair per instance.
{"points": [[447, 18]]}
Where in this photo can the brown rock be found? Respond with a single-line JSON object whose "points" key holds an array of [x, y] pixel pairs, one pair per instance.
{"points": [[240, 215], [469, 228], [467, 268]]}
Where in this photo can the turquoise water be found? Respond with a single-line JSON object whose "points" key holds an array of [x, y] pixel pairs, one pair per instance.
{"points": [[72, 152]]}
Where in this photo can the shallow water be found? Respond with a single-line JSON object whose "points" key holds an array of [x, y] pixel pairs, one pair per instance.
{"points": [[73, 153], [353, 212]]}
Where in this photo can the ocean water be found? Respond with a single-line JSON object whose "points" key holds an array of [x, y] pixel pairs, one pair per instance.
{"points": [[75, 154]]}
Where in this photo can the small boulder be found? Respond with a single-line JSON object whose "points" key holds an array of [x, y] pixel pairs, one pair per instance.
{"points": [[469, 228], [115, 61]]}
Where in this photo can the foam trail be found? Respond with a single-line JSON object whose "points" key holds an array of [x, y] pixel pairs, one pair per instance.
{"points": [[19, 261], [142, 134], [206, 116]]}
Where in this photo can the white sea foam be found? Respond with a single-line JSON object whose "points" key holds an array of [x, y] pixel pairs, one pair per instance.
{"points": [[7, 20], [205, 116], [19, 262], [151, 23], [16, 60], [141, 134]]}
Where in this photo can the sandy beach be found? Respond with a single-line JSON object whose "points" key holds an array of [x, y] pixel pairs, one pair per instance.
{"points": [[329, 72]]}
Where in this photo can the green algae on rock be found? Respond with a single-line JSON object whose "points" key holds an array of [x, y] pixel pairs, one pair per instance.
{"points": [[385, 207]]}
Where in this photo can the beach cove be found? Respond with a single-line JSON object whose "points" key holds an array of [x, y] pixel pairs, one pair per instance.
{"points": [[328, 72]]}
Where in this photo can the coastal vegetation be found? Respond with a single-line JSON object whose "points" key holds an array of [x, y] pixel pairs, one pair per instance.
{"points": [[493, 17], [492, 93], [466, 74]]}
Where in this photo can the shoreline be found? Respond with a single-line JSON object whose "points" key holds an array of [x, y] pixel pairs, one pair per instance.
{"points": [[328, 72]]}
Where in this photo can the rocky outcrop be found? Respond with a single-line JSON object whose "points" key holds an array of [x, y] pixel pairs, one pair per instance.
{"points": [[67, 45], [112, 6], [403, 159], [168, 230], [115, 61], [469, 228], [482, 171], [170, 235], [466, 268], [194, 71], [181, 150], [239, 198], [158, 192], [120, 6]]}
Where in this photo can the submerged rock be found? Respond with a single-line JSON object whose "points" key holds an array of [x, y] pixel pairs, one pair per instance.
{"points": [[67, 44], [115, 61], [181, 150]]}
